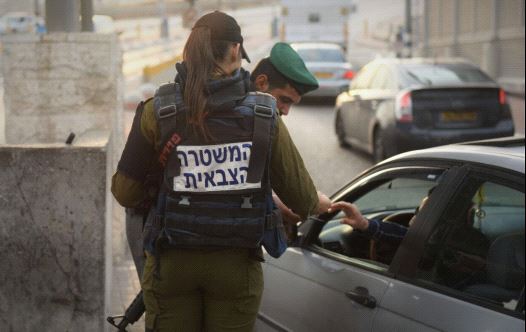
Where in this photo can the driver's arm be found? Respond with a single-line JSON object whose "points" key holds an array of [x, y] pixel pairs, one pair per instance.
{"points": [[374, 229]]}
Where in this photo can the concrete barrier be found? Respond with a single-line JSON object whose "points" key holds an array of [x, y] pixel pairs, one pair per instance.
{"points": [[55, 237], [162, 72]]}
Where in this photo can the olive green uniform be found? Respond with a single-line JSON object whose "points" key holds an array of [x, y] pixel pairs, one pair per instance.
{"points": [[227, 282]]}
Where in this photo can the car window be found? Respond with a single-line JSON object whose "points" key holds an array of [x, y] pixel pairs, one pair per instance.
{"points": [[321, 54], [477, 249], [382, 79], [439, 74], [363, 77], [392, 200]]}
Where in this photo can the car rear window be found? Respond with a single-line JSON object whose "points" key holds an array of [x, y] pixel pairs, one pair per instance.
{"points": [[441, 74], [321, 55]]}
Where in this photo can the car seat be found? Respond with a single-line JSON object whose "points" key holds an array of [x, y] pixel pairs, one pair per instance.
{"points": [[504, 269], [463, 253]]}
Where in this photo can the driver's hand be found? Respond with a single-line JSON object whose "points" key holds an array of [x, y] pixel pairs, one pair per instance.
{"points": [[353, 217]]}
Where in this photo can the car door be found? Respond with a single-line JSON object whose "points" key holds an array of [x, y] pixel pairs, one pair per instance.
{"points": [[464, 270], [327, 283], [351, 109], [370, 98]]}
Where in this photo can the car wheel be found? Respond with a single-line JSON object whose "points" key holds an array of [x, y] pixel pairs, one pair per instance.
{"points": [[378, 146], [340, 131]]}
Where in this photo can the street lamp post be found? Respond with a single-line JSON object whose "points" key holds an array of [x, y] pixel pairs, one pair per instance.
{"points": [[164, 20], [62, 15], [408, 38], [86, 14]]}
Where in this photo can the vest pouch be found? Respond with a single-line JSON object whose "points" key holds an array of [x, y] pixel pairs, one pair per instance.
{"points": [[202, 227], [274, 237]]}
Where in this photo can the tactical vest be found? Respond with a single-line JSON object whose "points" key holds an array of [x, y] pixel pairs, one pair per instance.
{"points": [[213, 194]]}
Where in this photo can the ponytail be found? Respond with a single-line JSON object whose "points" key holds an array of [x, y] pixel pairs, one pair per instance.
{"points": [[201, 56]]}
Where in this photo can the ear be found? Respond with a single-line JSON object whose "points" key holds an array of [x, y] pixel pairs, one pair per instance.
{"points": [[261, 83]]}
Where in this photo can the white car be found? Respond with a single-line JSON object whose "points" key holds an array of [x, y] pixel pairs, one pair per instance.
{"points": [[327, 62], [458, 267]]}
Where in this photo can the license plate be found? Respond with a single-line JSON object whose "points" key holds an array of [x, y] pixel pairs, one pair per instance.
{"points": [[319, 74], [458, 116]]}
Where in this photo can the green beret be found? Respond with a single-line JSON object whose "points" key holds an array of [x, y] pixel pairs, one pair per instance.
{"points": [[288, 62]]}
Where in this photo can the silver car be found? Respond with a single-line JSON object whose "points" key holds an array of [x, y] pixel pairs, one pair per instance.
{"points": [[459, 267], [327, 62]]}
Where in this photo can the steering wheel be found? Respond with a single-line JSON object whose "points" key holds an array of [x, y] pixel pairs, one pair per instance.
{"points": [[384, 252]]}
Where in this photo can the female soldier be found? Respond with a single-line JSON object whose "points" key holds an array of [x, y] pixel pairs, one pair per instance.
{"points": [[221, 151]]}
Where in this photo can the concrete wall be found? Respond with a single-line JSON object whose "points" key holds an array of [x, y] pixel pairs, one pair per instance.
{"points": [[55, 237], [60, 83]]}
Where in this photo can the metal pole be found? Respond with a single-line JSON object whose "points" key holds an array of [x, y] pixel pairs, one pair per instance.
{"points": [[408, 29], [425, 33], [37, 8], [86, 14], [164, 20], [62, 15]]}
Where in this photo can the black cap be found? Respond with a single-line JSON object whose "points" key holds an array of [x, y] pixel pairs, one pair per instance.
{"points": [[222, 27]]}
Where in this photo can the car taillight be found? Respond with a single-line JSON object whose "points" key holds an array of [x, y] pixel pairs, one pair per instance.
{"points": [[502, 97], [348, 75], [404, 107], [505, 111]]}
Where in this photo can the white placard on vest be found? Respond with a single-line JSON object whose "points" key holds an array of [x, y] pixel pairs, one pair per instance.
{"points": [[219, 167]]}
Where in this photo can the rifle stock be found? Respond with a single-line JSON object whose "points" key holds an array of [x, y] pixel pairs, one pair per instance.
{"points": [[131, 315]]}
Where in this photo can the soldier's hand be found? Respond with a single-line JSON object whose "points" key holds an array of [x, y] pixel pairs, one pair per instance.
{"points": [[324, 203]]}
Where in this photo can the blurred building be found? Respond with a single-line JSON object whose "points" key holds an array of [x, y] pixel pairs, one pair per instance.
{"points": [[7, 6], [490, 33]]}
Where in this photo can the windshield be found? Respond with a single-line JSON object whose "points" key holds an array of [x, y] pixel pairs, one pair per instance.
{"points": [[440, 74], [321, 55]]}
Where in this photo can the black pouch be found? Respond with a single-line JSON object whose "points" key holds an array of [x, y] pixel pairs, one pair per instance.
{"points": [[274, 237]]}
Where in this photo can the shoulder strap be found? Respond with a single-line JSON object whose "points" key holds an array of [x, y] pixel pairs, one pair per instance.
{"points": [[263, 117], [167, 103]]}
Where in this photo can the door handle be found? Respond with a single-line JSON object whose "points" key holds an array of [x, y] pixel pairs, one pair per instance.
{"points": [[361, 296]]}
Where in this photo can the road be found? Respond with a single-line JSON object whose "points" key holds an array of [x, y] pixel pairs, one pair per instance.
{"points": [[311, 127]]}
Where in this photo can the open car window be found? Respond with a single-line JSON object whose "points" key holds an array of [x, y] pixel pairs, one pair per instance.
{"points": [[389, 199]]}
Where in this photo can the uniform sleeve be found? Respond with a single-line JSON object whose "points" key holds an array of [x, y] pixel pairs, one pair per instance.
{"points": [[385, 231], [289, 178], [137, 159], [127, 191]]}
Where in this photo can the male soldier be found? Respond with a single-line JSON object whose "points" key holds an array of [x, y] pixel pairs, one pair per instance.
{"points": [[284, 75]]}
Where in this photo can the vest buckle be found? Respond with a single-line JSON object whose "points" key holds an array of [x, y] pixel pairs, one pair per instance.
{"points": [[185, 200], [247, 204], [263, 111], [167, 111]]}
